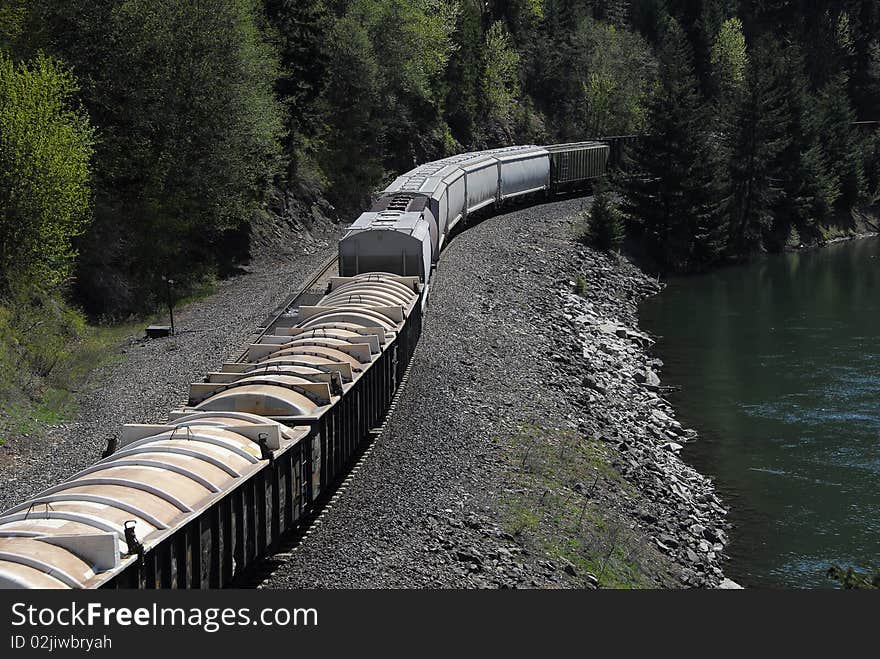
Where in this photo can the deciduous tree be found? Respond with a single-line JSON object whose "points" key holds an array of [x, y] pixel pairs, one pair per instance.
{"points": [[45, 150]]}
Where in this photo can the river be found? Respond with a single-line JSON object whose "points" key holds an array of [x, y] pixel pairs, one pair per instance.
{"points": [[778, 364]]}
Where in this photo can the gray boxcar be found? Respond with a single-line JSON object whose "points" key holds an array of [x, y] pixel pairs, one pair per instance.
{"points": [[573, 164], [388, 242]]}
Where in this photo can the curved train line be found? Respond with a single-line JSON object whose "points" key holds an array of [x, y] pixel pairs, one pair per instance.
{"points": [[261, 444]]}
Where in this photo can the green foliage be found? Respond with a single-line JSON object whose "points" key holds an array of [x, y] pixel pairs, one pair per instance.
{"points": [[615, 12], [754, 141], [522, 519], [672, 195], [606, 230], [352, 155], [183, 97], [808, 190], [45, 150], [53, 407], [199, 107], [383, 98], [591, 79], [537, 8], [728, 58], [840, 142], [550, 506], [872, 166], [501, 78], [301, 29], [852, 579], [47, 353], [618, 83], [37, 333], [464, 97], [13, 19]]}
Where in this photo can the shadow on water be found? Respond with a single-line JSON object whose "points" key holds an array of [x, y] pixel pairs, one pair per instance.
{"points": [[779, 367]]}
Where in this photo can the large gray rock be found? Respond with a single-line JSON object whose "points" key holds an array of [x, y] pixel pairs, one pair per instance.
{"points": [[729, 584]]}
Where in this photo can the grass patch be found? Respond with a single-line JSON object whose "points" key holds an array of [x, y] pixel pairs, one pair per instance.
{"points": [[53, 407], [554, 506], [47, 353], [96, 347], [205, 287]]}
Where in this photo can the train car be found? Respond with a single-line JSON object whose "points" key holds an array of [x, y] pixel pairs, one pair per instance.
{"points": [[194, 502], [574, 165], [442, 184], [392, 241], [620, 147], [522, 172], [469, 182]]}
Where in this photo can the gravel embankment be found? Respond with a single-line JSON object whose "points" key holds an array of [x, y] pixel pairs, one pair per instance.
{"points": [[152, 377], [530, 448], [474, 483]]}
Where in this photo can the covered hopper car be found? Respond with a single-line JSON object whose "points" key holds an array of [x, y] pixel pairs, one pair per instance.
{"points": [[424, 205]]}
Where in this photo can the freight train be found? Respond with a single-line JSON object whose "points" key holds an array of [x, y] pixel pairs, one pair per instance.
{"points": [[195, 502]]}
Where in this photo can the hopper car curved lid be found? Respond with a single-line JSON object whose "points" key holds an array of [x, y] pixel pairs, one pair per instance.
{"points": [[415, 225], [71, 535]]}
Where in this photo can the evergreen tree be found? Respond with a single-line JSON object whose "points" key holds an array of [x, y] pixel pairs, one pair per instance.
{"points": [[605, 231], [352, 154], [302, 29], [841, 141], [500, 82], [13, 20], [672, 193], [463, 78], [648, 17], [872, 166], [808, 189], [182, 95], [864, 83], [615, 75], [754, 141], [706, 33], [728, 63], [410, 43], [615, 12], [593, 81]]}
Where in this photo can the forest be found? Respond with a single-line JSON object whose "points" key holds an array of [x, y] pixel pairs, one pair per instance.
{"points": [[140, 140]]}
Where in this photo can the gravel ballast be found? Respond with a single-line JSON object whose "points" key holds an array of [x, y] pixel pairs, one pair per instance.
{"points": [[152, 376], [531, 446]]}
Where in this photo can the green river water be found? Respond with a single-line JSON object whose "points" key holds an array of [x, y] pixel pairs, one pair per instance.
{"points": [[779, 367]]}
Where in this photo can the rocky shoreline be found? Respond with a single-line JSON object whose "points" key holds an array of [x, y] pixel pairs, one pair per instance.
{"points": [[622, 395]]}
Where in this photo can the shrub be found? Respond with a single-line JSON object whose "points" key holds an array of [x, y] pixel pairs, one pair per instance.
{"points": [[605, 230]]}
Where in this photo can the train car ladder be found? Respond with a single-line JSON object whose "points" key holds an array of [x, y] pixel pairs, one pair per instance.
{"points": [[562, 174]]}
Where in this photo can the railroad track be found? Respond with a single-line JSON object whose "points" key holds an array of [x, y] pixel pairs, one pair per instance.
{"points": [[312, 291]]}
